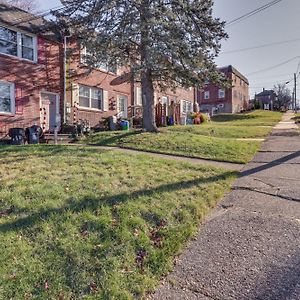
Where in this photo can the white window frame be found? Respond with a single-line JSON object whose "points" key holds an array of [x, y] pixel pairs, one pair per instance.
{"points": [[206, 95], [102, 67], [185, 107], [123, 113], [90, 98], [19, 44], [12, 99], [221, 93]]}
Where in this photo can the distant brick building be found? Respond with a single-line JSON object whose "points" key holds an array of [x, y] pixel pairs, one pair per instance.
{"points": [[266, 99], [215, 99]]}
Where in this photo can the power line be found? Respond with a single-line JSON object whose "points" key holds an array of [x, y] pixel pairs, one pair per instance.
{"points": [[253, 12], [260, 46], [38, 16], [273, 67], [275, 76]]}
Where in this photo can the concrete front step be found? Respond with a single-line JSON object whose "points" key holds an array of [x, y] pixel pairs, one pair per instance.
{"points": [[61, 138]]}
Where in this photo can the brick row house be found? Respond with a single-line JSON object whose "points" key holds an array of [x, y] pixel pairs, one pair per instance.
{"points": [[30, 71], [38, 87], [214, 99]]}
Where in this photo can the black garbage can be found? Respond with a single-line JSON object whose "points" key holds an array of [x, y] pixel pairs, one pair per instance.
{"points": [[112, 123], [33, 134], [17, 136]]}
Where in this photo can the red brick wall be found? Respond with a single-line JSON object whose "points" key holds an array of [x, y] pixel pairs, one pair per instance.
{"points": [[233, 101], [30, 79], [100, 79], [93, 78]]}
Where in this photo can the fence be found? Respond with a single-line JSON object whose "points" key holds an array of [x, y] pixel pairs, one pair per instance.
{"points": [[167, 115]]}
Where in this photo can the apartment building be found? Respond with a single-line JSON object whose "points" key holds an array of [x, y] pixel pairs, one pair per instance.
{"points": [[215, 99]]}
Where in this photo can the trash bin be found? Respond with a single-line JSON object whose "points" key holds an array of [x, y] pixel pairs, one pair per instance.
{"points": [[112, 123], [33, 134], [170, 121], [183, 121], [124, 125], [189, 121], [17, 136]]}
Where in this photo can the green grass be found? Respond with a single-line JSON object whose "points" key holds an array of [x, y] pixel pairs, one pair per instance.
{"points": [[297, 118], [186, 144], [255, 118], [80, 223], [214, 129], [257, 124], [216, 140]]}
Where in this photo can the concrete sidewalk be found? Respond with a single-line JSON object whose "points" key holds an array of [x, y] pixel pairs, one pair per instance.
{"points": [[249, 248]]}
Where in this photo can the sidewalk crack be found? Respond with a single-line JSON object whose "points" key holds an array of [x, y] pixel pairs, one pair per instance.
{"points": [[243, 188]]}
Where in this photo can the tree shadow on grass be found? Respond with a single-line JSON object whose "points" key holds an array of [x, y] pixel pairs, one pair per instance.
{"points": [[116, 139], [92, 203], [21, 153], [233, 117]]}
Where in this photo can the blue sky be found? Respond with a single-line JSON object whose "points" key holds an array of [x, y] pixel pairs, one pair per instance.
{"points": [[278, 23]]}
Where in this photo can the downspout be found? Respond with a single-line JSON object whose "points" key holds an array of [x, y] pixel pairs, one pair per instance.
{"points": [[65, 76]]}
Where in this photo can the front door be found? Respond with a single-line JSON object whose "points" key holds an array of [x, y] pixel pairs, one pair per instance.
{"points": [[50, 111], [123, 106]]}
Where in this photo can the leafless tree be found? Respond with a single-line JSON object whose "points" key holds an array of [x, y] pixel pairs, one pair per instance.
{"points": [[284, 97]]}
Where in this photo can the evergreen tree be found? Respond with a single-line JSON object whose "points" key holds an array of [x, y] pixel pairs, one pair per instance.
{"points": [[166, 43]]}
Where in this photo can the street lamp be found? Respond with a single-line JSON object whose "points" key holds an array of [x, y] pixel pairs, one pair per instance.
{"points": [[294, 92]]}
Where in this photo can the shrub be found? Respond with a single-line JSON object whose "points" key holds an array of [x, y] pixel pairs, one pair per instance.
{"points": [[203, 118]]}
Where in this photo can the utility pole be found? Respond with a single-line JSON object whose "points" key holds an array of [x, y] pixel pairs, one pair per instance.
{"points": [[295, 93]]}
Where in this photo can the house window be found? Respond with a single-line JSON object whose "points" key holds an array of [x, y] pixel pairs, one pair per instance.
{"points": [[8, 41], [90, 97], [206, 95], [27, 47], [86, 57], [122, 106], [186, 107], [189, 107], [165, 100], [221, 93], [7, 99], [17, 44], [235, 94]]}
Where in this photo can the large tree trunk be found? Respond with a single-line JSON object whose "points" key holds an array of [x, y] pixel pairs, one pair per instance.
{"points": [[146, 76], [149, 123]]}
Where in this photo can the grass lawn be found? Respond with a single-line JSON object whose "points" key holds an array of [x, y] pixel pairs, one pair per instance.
{"points": [[255, 118], [214, 129], [79, 223], [238, 126], [215, 140], [186, 144], [297, 118]]}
